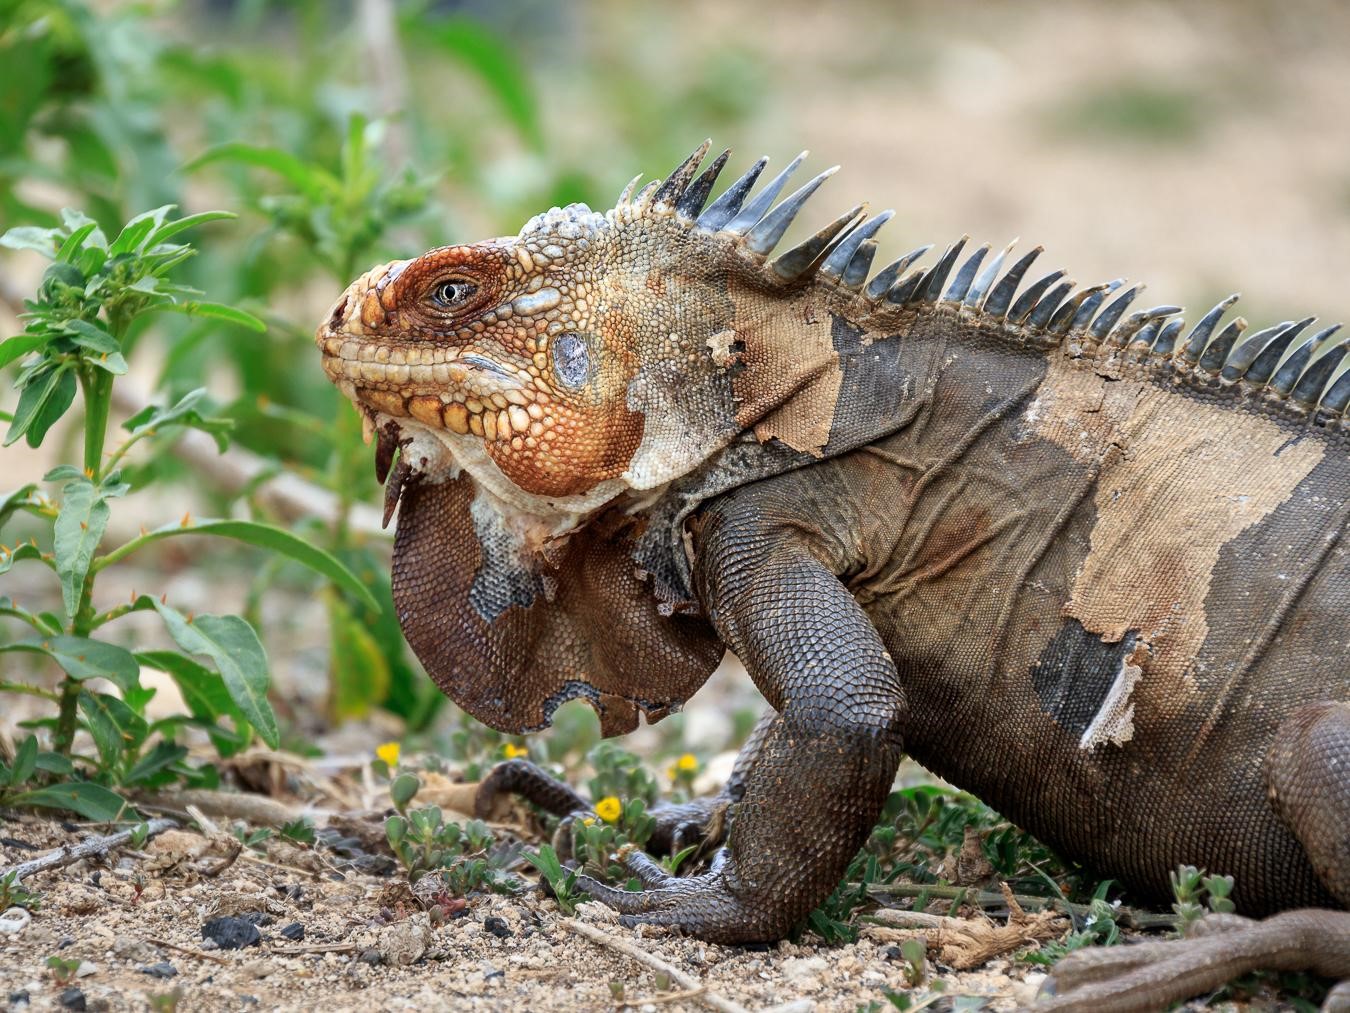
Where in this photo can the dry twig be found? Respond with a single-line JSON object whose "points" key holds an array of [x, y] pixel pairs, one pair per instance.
{"points": [[189, 951], [686, 981], [85, 849]]}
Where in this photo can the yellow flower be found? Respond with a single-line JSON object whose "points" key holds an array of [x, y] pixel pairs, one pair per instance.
{"points": [[588, 821], [388, 752], [609, 809], [687, 764], [512, 751]]}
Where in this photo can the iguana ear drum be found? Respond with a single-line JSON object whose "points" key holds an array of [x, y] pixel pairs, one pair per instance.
{"points": [[510, 638]]}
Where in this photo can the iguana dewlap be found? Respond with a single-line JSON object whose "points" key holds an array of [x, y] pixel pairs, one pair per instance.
{"points": [[1073, 557]]}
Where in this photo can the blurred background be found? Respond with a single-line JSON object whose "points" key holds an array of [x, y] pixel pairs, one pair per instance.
{"points": [[1201, 147]]}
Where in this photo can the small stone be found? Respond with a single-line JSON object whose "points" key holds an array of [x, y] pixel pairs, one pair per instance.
{"points": [[498, 927], [892, 953], [86, 968], [14, 921], [231, 933], [370, 956], [257, 969], [73, 998], [19, 998], [133, 950], [799, 968], [161, 970], [294, 932]]}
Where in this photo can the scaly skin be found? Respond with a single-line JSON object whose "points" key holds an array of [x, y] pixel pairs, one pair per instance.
{"points": [[1079, 562]]}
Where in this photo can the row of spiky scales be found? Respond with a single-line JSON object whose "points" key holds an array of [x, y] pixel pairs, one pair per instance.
{"points": [[1289, 370]]}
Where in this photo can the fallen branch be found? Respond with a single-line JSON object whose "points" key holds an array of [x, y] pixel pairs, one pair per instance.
{"points": [[291, 951], [188, 951], [85, 849], [1129, 917], [686, 982], [255, 810]]}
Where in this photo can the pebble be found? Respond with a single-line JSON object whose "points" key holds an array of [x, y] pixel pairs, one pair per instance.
{"points": [[134, 950], [231, 933], [797, 968], [14, 921], [19, 998], [497, 927], [73, 998], [294, 932], [370, 956], [161, 970], [86, 968]]}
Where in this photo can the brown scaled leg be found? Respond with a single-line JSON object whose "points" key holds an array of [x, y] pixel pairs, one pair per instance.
{"points": [[1309, 773], [828, 756]]}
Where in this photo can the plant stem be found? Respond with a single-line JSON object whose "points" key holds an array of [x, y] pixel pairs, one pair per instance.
{"points": [[96, 385]]}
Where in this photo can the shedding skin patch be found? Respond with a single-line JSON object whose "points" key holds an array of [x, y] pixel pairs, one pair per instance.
{"points": [[1114, 722], [1176, 485]]}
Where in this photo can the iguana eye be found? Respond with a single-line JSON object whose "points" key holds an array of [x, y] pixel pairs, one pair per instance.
{"points": [[571, 359], [453, 292]]}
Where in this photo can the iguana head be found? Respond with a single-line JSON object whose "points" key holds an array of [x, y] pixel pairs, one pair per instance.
{"points": [[539, 389]]}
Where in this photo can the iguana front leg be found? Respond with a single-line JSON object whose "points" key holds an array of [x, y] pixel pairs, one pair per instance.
{"points": [[829, 755]]}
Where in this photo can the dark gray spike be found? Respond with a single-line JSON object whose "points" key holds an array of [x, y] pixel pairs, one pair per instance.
{"points": [[691, 203], [1337, 396], [985, 281], [903, 290], [1101, 327], [1143, 340], [1120, 337], [937, 276], [1244, 354], [766, 233], [728, 206], [1199, 336], [1296, 359], [1166, 341], [885, 278], [858, 266], [1308, 390], [965, 276], [1043, 310], [1263, 365], [1216, 352], [1095, 297], [1028, 299], [997, 303], [838, 261], [748, 217], [806, 255], [1069, 309], [678, 180]]}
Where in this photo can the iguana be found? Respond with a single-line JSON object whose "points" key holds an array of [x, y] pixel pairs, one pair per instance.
{"points": [[1087, 565]]}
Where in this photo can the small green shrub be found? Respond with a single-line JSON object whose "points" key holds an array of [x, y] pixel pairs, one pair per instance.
{"points": [[461, 853]]}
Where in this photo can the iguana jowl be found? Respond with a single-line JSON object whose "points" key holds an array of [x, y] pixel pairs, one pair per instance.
{"points": [[1076, 559]]}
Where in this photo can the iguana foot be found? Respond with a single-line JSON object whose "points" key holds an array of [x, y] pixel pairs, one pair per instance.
{"points": [[1150, 976], [708, 905]]}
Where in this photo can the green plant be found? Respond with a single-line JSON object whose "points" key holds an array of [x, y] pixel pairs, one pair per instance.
{"points": [[95, 294], [561, 882], [460, 852], [620, 774], [15, 894], [63, 969], [1098, 928], [1194, 891]]}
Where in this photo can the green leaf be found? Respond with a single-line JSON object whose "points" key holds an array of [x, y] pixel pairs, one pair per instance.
{"points": [[75, 220], [358, 669], [164, 755], [54, 763], [218, 311], [74, 242], [78, 529], [239, 656], [51, 410], [136, 230], [82, 658], [92, 801], [264, 536], [20, 345], [91, 336], [171, 229], [205, 694], [16, 500], [42, 386], [25, 761], [29, 237], [114, 725], [313, 182]]}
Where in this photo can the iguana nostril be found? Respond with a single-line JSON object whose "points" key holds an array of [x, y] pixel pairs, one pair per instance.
{"points": [[339, 312]]}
